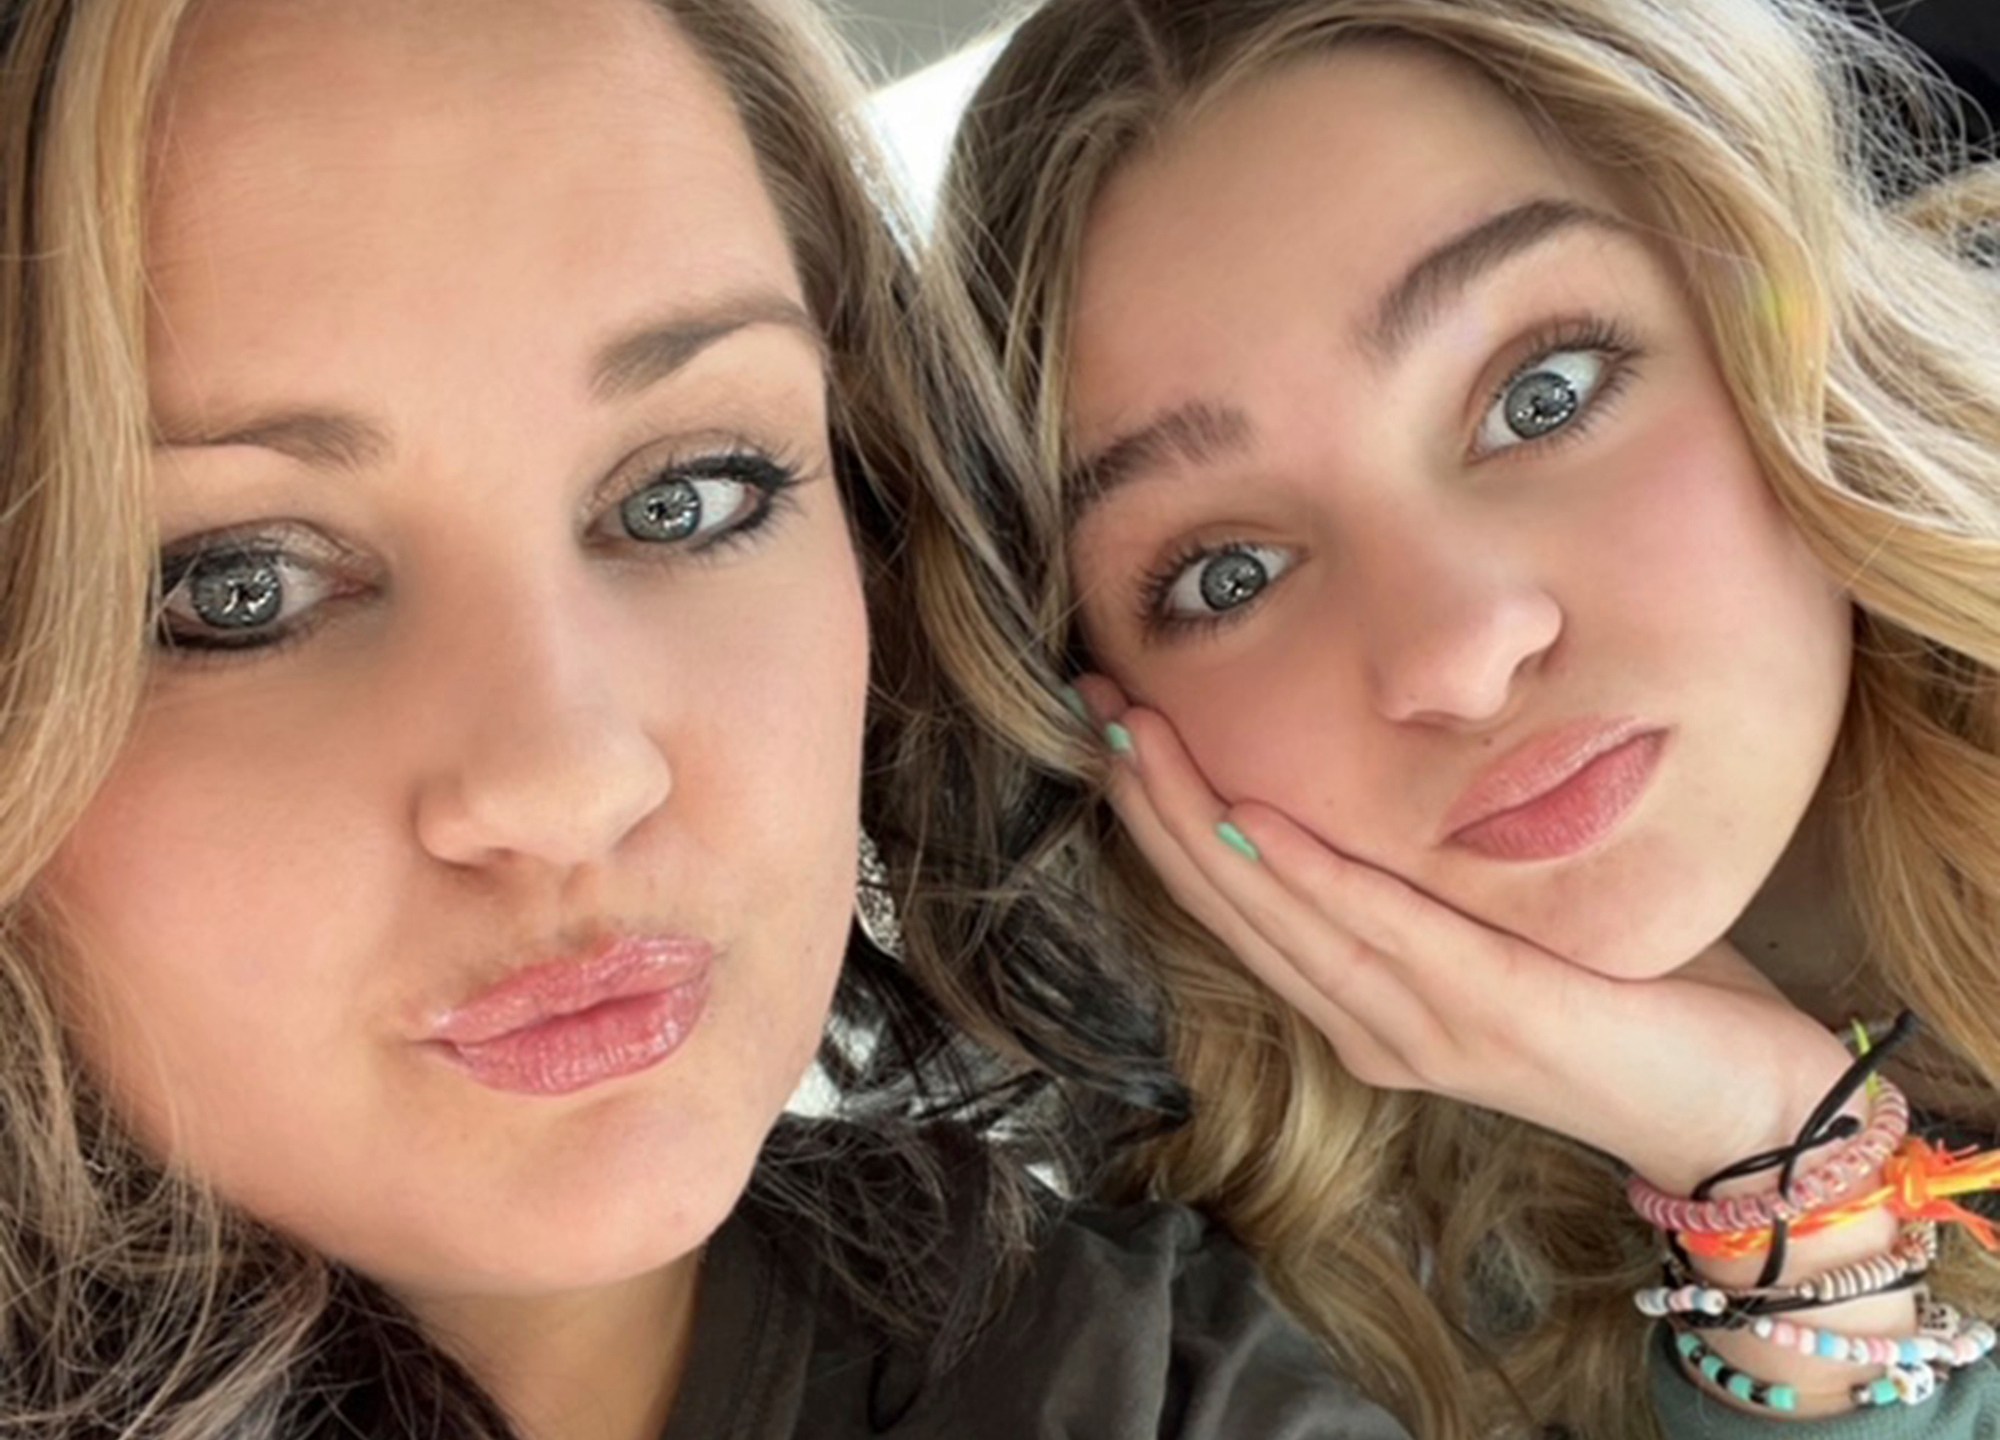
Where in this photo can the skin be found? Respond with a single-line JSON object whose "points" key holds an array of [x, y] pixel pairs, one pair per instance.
{"points": [[508, 729], [1440, 591], [1447, 600]]}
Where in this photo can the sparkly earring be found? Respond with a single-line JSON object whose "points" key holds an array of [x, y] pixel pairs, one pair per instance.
{"points": [[874, 906]]}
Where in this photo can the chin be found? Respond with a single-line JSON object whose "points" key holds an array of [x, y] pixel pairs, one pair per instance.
{"points": [[611, 1196], [593, 1240], [1645, 928]]}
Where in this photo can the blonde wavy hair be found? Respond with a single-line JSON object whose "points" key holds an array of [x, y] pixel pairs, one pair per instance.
{"points": [[132, 1302], [1473, 1272]]}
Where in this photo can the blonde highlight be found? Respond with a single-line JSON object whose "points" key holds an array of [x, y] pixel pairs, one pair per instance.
{"points": [[1473, 1272]]}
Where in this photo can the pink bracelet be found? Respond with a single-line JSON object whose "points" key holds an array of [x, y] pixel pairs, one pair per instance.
{"points": [[1888, 1123]]}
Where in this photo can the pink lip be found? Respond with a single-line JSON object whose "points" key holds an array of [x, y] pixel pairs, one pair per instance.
{"points": [[566, 1025], [1559, 793]]}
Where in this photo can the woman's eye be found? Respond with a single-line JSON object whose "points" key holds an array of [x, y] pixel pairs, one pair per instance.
{"points": [[236, 597], [1222, 581], [693, 505], [1543, 398], [679, 508]]}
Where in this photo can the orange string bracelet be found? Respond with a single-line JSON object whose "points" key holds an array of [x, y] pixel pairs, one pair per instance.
{"points": [[1918, 1183]]}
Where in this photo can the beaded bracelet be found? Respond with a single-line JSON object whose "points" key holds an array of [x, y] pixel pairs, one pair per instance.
{"points": [[1914, 1251], [1914, 1366], [1709, 1307], [1942, 1339], [1911, 1382], [1901, 1385], [1740, 1383], [1860, 1157]]}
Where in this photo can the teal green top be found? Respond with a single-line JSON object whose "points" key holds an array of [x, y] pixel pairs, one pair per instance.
{"points": [[1966, 1408]]}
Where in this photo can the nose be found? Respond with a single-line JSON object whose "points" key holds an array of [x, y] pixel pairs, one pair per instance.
{"points": [[1453, 631], [547, 757]]}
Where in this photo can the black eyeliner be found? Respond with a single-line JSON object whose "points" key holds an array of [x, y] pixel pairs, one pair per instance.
{"points": [[273, 545], [768, 474]]}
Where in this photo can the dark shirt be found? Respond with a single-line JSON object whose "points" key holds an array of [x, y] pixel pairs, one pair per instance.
{"points": [[1136, 1324]]}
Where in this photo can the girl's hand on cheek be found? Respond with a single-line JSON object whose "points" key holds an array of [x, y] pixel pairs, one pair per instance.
{"points": [[1676, 1077]]}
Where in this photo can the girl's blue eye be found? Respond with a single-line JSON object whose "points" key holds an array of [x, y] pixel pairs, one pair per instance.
{"points": [[1222, 581], [236, 596], [1544, 398], [679, 508]]}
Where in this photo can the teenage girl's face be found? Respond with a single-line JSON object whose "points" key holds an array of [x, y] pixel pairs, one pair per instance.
{"points": [[1416, 500], [469, 899]]}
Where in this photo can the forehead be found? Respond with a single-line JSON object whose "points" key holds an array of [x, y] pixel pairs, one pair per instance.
{"points": [[322, 162], [1293, 201]]}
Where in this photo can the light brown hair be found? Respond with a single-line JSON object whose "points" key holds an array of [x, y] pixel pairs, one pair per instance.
{"points": [[133, 1302], [1472, 1271]]}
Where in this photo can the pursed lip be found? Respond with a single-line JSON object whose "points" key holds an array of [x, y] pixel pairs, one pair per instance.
{"points": [[619, 968], [1537, 767]]}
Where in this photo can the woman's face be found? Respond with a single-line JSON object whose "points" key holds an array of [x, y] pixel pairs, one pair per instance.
{"points": [[469, 899], [1416, 500]]}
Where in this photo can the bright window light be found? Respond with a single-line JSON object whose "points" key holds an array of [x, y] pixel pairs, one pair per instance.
{"points": [[915, 118]]}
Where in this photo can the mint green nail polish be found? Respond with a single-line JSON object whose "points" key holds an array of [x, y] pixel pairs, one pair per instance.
{"points": [[1236, 840], [1073, 702], [1119, 739]]}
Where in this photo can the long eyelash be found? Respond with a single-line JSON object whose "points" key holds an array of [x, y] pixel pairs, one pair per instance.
{"points": [[772, 473], [778, 480], [1622, 353], [177, 561], [1581, 333], [1159, 580], [1154, 586], [1589, 333]]}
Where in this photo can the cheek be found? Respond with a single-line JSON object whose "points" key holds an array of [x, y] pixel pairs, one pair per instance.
{"points": [[210, 893], [188, 840], [769, 771], [1287, 724], [1691, 539], [784, 696]]}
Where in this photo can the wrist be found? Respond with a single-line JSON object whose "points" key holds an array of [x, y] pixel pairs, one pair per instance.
{"points": [[1768, 1105]]}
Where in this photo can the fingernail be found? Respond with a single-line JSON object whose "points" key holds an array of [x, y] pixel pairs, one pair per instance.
{"points": [[1236, 840], [1119, 739], [1073, 702]]}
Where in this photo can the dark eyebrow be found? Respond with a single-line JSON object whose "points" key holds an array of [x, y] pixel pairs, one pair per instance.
{"points": [[1202, 431], [643, 357], [1191, 434], [1443, 275]]}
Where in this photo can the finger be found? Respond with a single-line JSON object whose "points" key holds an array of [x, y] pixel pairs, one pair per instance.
{"points": [[1307, 957], [1192, 889], [1454, 986], [1177, 870], [1191, 814], [1101, 698], [1382, 911], [1378, 957]]}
